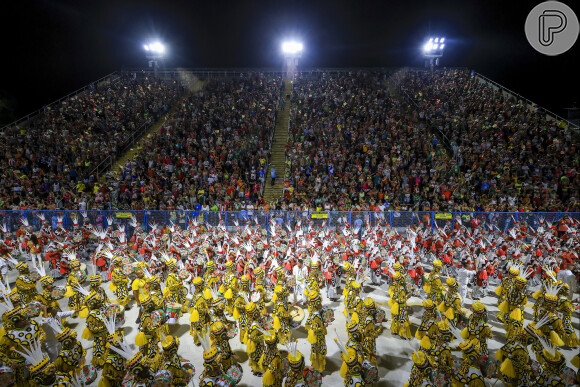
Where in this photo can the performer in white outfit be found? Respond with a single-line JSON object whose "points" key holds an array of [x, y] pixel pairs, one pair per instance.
{"points": [[464, 276], [300, 272], [52, 316], [568, 277]]}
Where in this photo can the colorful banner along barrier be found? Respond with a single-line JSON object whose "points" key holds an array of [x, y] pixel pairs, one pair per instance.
{"points": [[322, 215], [446, 215], [123, 215]]}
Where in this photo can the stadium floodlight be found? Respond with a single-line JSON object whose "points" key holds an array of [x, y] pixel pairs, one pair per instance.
{"points": [[154, 51], [433, 46], [292, 48], [154, 47], [433, 50], [292, 51]]}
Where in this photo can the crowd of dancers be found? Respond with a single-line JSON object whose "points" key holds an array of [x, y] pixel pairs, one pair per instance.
{"points": [[257, 284]]}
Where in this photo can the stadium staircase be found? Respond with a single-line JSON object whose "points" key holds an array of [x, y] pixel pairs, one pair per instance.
{"points": [[194, 86], [278, 152]]}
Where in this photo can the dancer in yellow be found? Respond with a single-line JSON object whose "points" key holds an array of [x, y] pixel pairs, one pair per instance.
{"points": [[240, 305], [428, 321], [119, 282], [400, 324], [477, 327], [219, 339], [71, 358], [199, 311], [566, 309], [255, 339], [75, 278], [351, 369], [47, 296], [514, 304], [96, 328], [26, 283], [504, 289], [149, 333], [433, 285], [271, 362], [451, 304], [174, 290], [22, 335], [370, 330], [469, 373], [281, 314], [421, 371], [316, 332], [229, 288], [295, 375]]}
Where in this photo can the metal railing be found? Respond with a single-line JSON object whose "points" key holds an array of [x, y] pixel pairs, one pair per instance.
{"points": [[107, 163], [502, 221]]}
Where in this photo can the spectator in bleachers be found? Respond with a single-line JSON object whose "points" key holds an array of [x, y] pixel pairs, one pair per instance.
{"points": [[48, 161]]}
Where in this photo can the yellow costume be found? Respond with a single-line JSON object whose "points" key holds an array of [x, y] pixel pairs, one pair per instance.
{"points": [[316, 332]]}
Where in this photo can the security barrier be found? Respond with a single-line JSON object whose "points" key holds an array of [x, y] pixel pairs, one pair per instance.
{"points": [[501, 221]]}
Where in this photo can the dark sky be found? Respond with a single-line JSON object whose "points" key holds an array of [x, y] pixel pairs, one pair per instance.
{"points": [[54, 47]]}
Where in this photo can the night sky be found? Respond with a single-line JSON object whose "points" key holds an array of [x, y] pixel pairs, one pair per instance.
{"points": [[55, 47]]}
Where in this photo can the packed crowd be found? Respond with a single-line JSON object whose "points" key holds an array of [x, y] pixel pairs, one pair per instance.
{"points": [[210, 155], [352, 148], [510, 157], [354, 144], [48, 160], [244, 292]]}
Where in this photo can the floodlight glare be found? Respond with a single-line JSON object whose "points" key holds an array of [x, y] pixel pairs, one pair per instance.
{"points": [[154, 52], [158, 47], [433, 51], [155, 48], [292, 47]]}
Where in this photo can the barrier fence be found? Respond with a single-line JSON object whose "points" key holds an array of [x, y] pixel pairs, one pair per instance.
{"points": [[502, 221]]}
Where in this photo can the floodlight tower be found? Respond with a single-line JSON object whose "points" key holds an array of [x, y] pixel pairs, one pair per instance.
{"points": [[292, 51], [432, 51], [154, 52]]}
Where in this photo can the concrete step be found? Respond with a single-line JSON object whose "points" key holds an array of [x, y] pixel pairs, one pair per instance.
{"points": [[278, 151]]}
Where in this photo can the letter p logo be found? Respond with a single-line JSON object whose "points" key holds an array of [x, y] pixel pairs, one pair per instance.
{"points": [[552, 28], [551, 22]]}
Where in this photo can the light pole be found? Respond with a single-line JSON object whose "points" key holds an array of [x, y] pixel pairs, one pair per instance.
{"points": [[432, 51], [292, 51], [154, 53]]}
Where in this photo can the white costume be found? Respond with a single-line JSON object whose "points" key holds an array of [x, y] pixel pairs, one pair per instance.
{"points": [[300, 274], [463, 277], [51, 345]]}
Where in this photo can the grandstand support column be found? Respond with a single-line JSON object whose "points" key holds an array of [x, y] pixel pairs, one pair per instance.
{"points": [[278, 151]]}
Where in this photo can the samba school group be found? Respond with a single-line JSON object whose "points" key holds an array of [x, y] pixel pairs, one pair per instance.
{"points": [[253, 284]]}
